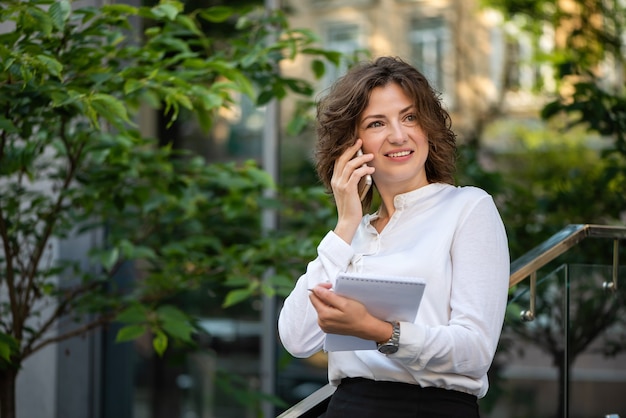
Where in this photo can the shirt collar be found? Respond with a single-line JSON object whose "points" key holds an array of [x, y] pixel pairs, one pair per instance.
{"points": [[404, 200]]}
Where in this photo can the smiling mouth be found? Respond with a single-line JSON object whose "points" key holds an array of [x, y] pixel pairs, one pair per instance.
{"points": [[399, 154]]}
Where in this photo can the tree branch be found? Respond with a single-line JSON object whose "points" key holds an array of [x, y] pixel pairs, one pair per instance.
{"points": [[106, 318], [29, 292], [10, 276], [60, 310], [100, 321]]}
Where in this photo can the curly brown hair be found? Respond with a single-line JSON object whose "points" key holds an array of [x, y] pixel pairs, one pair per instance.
{"points": [[338, 115]]}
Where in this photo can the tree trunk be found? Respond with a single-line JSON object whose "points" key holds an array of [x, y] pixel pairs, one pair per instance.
{"points": [[8, 378], [564, 369]]}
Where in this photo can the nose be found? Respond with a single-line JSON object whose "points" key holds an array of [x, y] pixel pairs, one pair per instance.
{"points": [[396, 134]]}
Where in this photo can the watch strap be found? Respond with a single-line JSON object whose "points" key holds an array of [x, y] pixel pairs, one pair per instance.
{"points": [[391, 345]]}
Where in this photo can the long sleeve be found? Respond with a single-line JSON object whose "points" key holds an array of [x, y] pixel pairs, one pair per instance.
{"points": [[466, 344], [297, 322]]}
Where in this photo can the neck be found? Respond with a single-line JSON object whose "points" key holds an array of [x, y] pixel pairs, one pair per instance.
{"points": [[383, 212]]}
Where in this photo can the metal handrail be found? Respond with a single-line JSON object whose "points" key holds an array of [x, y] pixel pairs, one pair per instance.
{"points": [[525, 266], [559, 243], [309, 407], [528, 264]]}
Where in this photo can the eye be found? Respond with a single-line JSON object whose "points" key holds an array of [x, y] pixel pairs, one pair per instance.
{"points": [[375, 124], [410, 119]]}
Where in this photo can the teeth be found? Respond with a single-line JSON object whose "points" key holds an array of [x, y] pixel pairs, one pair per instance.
{"points": [[399, 154]]}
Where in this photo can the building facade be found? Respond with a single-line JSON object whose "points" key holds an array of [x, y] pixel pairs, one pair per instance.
{"points": [[479, 65]]}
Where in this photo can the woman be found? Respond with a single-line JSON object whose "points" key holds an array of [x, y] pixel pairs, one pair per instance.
{"points": [[425, 227]]}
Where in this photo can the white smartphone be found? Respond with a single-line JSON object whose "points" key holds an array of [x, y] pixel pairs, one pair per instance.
{"points": [[366, 181]]}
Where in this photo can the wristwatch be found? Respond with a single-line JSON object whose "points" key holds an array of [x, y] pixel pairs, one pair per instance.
{"points": [[392, 345]]}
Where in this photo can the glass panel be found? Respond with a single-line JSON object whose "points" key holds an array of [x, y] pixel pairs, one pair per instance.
{"points": [[530, 376], [524, 378], [597, 342]]}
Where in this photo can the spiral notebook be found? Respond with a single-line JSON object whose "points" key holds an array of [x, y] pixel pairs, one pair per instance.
{"points": [[389, 298]]}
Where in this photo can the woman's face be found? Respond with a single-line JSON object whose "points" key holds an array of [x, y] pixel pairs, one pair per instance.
{"points": [[390, 130]]}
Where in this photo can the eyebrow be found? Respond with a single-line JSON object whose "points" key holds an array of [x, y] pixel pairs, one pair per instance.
{"points": [[406, 109]]}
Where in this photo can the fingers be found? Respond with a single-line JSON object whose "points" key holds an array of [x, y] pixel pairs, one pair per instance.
{"points": [[324, 293], [349, 162], [327, 304], [348, 171], [340, 315], [321, 296], [336, 314], [350, 152], [325, 285]]}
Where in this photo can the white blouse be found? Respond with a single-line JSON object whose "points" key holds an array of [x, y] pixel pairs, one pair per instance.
{"points": [[453, 238]]}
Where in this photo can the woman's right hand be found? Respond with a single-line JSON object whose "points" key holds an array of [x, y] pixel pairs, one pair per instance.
{"points": [[341, 315], [347, 172]]}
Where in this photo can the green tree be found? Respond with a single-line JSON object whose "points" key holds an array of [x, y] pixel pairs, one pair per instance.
{"points": [[73, 160], [546, 180], [588, 59]]}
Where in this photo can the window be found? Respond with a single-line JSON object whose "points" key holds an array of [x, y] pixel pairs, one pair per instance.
{"points": [[321, 4], [344, 38], [525, 75], [429, 41]]}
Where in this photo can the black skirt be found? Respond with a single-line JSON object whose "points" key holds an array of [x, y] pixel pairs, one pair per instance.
{"points": [[365, 398]]}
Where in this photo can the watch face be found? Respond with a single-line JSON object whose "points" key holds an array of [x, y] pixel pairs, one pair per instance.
{"points": [[388, 348]]}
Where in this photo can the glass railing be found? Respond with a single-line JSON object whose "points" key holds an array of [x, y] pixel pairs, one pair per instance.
{"points": [[563, 350], [570, 360], [596, 341]]}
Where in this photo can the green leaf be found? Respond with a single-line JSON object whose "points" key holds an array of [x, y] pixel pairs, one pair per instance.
{"points": [[243, 82], [265, 97], [133, 315], [109, 257], [159, 342], [268, 290], [132, 85], [7, 125], [59, 13], [119, 9], [262, 178], [130, 332], [171, 313], [53, 66], [8, 346], [281, 280], [189, 24], [332, 56], [134, 252], [176, 323], [183, 100], [65, 98], [236, 280], [319, 69], [37, 20], [5, 352], [110, 108], [168, 10], [299, 86], [236, 296], [217, 14]]}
